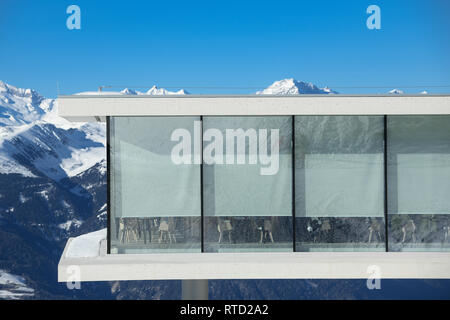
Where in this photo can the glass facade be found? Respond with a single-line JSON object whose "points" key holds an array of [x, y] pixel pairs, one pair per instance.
{"points": [[339, 183], [245, 210], [278, 183], [155, 203], [419, 183]]}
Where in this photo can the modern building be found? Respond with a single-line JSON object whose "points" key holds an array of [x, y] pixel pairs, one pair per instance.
{"points": [[306, 186]]}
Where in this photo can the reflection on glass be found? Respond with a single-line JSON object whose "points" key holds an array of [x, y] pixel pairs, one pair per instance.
{"points": [[245, 210], [235, 233], [155, 203], [339, 183], [247, 184], [419, 183]]}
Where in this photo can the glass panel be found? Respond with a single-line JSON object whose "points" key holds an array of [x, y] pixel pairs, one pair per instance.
{"points": [[155, 203], [339, 183], [247, 184], [419, 183]]}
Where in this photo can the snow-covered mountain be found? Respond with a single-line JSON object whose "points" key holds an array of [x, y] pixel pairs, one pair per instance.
{"points": [[34, 140], [292, 86], [154, 91], [163, 92], [396, 91], [21, 106]]}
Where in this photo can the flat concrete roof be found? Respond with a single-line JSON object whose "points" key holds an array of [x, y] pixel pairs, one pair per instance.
{"points": [[268, 265], [98, 107]]}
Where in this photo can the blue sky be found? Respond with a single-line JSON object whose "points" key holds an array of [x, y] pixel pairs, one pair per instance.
{"points": [[224, 43]]}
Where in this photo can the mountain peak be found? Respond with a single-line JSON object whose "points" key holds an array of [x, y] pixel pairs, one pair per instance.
{"points": [[7, 89], [154, 91], [291, 86], [163, 92], [129, 91], [34, 138], [396, 91], [21, 106]]}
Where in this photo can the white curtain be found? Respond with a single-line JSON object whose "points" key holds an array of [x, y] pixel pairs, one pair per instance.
{"points": [[423, 183], [241, 189], [339, 166], [146, 183], [344, 185], [419, 164]]}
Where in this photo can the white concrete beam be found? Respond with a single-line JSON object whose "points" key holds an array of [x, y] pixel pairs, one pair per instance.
{"points": [[87, 108], [270, 265]]}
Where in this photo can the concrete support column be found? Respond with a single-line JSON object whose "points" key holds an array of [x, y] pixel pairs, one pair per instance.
{"points": [[194, 289]]}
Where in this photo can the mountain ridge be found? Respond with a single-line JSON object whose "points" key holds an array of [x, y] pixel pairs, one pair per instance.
{"points": [[34, 138]]}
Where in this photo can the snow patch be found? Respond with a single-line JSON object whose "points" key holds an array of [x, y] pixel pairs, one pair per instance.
{"points": [[7, 278], [13, 286], [74, 223], [102, 168], [23, 199], [44, 194], [102, 208], [82, 159], [9, 166], [102, 215]]}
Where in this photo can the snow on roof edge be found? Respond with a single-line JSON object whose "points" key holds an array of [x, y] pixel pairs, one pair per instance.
{"points": [[86, 245]]}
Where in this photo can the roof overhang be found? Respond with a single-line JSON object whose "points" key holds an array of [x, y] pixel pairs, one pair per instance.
{"points": [[96, 108]]}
